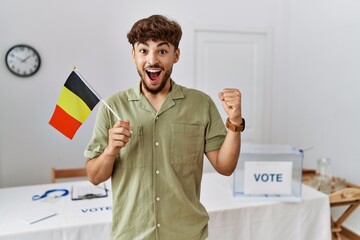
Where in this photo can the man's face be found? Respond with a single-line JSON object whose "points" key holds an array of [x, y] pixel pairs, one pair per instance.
{"points": [[154, 61]]}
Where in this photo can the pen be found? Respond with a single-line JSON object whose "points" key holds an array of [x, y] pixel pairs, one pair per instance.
{"points": [[44, 218]]}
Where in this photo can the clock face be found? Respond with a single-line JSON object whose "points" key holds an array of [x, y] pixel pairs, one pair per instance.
{"points": [[22, 60]]}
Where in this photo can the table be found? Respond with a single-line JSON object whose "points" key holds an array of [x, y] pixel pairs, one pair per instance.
{"points": [[229, 218], [343, 193], [349, 197]]}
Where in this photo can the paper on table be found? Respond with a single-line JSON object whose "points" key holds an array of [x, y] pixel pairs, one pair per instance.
{"points": [[36, 215]]}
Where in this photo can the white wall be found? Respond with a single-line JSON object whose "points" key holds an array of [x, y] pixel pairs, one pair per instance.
{"points": [[322, 77], [315, 82]]}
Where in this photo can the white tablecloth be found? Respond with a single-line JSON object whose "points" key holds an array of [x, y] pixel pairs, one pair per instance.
{"points": [[229, 218]]}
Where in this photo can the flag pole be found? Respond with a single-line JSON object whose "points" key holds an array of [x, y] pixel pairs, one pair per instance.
{"points": [[97, 95], [117, 116]]}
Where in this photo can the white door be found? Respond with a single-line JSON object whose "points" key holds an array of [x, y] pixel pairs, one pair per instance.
{"points": [[237, 59]]}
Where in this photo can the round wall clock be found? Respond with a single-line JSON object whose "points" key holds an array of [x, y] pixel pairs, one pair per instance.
{"points": [[22, 60]]}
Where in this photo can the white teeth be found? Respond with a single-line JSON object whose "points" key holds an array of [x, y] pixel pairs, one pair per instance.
{"points": [[152, 71]]}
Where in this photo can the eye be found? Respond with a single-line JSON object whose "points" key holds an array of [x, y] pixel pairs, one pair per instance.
{"points": [[162, 52], [143, 51]]}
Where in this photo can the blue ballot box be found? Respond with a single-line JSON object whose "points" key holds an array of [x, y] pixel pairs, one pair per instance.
{"points": [[268, 172]]}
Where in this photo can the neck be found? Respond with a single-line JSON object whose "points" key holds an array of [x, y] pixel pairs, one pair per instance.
{"points": [[156, 100]]}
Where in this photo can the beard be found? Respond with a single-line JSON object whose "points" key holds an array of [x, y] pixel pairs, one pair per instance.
{"points": [[158, 89]]}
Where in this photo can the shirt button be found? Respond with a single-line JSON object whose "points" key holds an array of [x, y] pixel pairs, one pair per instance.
{"points": [[156, 118], [157, 143], [158, 199], [157, 172], [158, 225]]}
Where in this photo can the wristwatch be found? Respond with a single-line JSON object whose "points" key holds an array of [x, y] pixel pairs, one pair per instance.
{"points": [[235, 128]]}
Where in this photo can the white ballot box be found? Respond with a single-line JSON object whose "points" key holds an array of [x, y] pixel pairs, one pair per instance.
{"points": [[268, 172]]}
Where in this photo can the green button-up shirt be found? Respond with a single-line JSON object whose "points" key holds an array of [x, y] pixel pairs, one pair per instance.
{"points": [[157, 177]]}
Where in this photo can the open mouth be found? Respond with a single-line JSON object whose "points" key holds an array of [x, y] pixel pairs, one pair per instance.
{"points": [[153, 74]]}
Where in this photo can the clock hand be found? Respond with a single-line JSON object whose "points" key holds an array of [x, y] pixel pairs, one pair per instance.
{"points": [[24, 60]]}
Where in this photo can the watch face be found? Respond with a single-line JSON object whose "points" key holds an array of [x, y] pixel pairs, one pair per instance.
{"points": [[22, 60]]}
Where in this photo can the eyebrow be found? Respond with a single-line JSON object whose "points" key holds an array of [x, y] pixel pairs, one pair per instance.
{"points": [[159, 44]]}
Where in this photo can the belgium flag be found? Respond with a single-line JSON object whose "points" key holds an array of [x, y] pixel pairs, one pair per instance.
{"points": [[75, 103]]}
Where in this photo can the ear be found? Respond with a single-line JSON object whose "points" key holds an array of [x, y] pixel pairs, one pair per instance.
{"points": [[133, 54], [177, 55]]}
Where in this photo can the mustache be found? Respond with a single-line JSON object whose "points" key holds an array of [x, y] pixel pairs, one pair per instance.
{"points": [[157, 65]]}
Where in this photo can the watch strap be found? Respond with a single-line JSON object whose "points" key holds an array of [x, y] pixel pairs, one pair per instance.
{"points": [[235, 128]]}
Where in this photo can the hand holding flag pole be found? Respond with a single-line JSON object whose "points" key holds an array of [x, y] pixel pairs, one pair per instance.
{"points": [[76, 101]]}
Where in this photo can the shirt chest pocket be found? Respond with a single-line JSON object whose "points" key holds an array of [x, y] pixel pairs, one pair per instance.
{"points": [[187, 143]]}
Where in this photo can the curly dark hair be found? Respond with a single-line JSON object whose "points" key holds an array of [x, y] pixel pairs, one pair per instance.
{"points": [[155, 27]]}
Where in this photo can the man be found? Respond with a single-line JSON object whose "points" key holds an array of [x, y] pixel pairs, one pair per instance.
{"points": [[155, 156]]}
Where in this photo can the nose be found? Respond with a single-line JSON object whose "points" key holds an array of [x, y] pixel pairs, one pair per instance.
{"points": [[152, 59]]}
